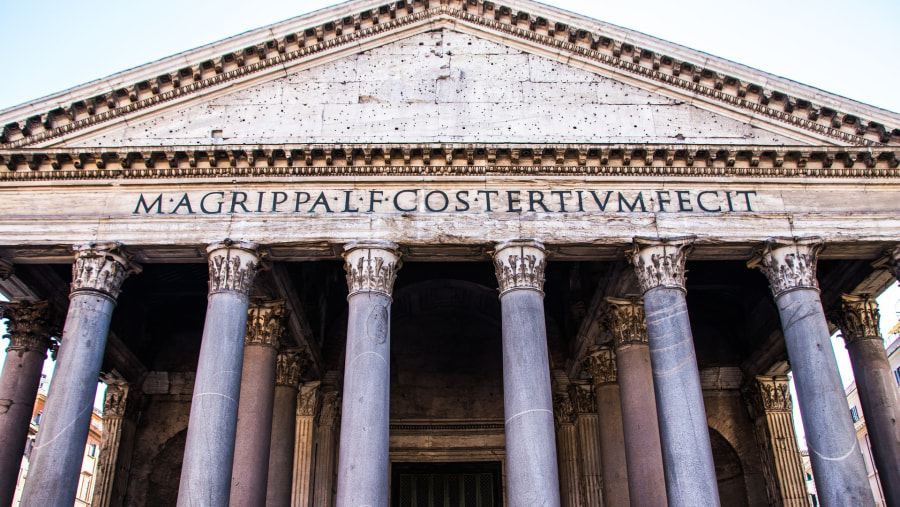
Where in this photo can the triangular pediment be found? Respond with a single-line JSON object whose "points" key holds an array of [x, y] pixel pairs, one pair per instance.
{"points": [[454, 72]]}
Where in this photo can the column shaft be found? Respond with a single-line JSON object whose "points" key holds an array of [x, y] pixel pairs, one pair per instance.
{"points": [[531, 473], [602, 364], [363, 460], [284, 422], [837, 463], [59, 450], [643, 450], [567, 450], [587, 427], [684, 437], [253, 436], [209, 447], [29, 337], [878, 393], [326, 439]]}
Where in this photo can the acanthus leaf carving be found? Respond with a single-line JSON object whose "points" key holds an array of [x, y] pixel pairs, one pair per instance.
{"points": [[601, 364], [626, 321], [789, 263], [27, 326], [893, 264], [330, 409], [859, 318], [101, 267], [371, 266], [232, 267], [308, 400], [563, 409], [290, 367], [520, 264], [659, 262], [265, 323], [582, 397], [774, 393]]}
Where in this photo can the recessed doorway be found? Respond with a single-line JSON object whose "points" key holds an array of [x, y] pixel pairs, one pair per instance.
{"points": [[446, 484]]}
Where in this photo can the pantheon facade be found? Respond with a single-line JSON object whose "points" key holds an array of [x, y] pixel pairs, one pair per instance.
{"points": [[446, 253]]}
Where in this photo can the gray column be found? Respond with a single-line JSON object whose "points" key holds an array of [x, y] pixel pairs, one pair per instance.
{"points": [[567, 447], [838, 467], [877, 389], [253, 436], [601, 362], [289, 368], [625, 319], [531, 475], [326, 438], [209, 448], [28, 331], [684, 436], [97, 277], [305, 444], [363, 460]]}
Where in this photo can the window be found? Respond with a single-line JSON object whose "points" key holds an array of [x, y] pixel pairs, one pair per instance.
{"points": [[84, 486], [36, 420], [92, 450], [854, 413], [897, 375]]}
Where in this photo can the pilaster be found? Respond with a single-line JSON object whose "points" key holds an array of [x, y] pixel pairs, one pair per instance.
{"points": [[605, 403], [568, 450], [770, 403], [308, 401]]}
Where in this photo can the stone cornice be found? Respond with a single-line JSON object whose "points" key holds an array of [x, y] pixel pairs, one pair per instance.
{"points": [[549, 30], [316, 160]]}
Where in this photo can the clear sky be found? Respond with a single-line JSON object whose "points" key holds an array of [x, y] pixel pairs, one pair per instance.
{"points": [[848, 48]]}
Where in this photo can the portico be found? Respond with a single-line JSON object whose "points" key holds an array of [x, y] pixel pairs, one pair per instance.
{"points": [[453, 265]]}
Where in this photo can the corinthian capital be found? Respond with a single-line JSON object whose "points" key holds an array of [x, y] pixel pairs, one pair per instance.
{"points": [[232, 266], [583, 400], [563, 409], [308, 399], [789, 263], [519, 264], [859, 318], [601, 363], [626, 321], [371, 266], [101, 268], [27, 327], [774, 394], [659, 262], [265, 323], [289, 367]]}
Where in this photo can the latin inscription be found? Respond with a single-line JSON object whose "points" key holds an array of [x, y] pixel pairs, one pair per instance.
{"points": [[418, 200]]}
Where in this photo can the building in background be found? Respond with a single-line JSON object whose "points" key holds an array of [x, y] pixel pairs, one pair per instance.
{"points": [[86, 479]]}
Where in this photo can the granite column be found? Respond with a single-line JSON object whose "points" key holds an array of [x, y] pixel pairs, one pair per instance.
{"points": [[531, 473], [253, 436], [97, 277], [28, 330], [877, 388], [288, 370], [601, 363], [643, 452], [838, 467], [684, 435], [363, 460], [209, 448]]}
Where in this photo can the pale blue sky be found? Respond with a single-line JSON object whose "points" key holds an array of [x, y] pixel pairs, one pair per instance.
{"points": [[848, 48]]}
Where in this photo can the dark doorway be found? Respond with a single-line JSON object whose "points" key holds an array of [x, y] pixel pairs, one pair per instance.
{"points": [[446, 484]]}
